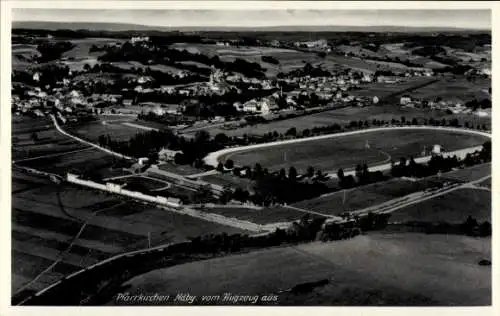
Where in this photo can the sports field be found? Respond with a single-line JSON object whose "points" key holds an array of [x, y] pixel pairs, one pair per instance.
{"points": [[374, 269], [371, 148]]}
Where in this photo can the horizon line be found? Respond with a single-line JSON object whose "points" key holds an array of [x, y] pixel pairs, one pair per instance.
{"points": [[259, 26]]}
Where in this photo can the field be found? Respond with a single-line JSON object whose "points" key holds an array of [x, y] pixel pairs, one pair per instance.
{"points": [[340, 116], [469, 174], [263, 216], [399, 267], [133, 182], [457, 90], [184, 170], [90, 160], [230, 180], [364, 196], [289, 59], [48, 140], [48, 222], [346, 152], [383, 89], [113, 127], [453, 207]]}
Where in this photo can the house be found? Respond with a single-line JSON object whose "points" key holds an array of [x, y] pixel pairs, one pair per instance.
{"points": [[404, 100], [166, 154], [143, 160], [139, 39]]}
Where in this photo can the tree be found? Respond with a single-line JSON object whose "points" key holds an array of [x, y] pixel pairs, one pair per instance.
{"points": [[236, 172], [220, 167], [257, 170], [291, 132], [34, 137], [358, 170], [340, 174], [282, 174], [229, 164], [292, 173], [310, 171]]}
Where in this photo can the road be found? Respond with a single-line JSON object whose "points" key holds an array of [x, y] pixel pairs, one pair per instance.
{"points": [[213, 158], [54, 120]]}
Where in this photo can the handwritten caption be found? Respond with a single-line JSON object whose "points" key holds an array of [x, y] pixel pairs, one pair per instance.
{"points": [[187, 298]]}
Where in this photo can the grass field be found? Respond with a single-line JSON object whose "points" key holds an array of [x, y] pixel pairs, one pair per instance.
{"points": [[143, 182], [364, 196], [47, 219], [453, 207], [49, 141], [346, 152], [227, 179], [184, 170], [469, 174], [340, 116], [289, 59], [263, 216], [114, 128], [375, 269], [91, 160], [457, 90]]}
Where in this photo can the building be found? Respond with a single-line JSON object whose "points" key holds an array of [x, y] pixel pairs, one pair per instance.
{"points": [[139, 39], [166, 154], [436, 149], [404, 100]]}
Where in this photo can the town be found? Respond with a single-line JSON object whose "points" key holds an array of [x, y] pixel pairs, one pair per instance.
{"points": [[153, 159]]}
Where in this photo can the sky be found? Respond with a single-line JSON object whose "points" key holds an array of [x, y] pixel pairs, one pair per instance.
{"points": [[471, 19]]}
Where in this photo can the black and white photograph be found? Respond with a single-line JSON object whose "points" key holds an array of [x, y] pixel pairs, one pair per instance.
{"points": [[249, 156]]}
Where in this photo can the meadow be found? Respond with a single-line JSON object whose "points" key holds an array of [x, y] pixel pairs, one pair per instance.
{"points": [[399, 267]]}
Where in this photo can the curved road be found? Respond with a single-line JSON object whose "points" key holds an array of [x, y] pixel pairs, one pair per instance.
{"points": [[87, 142], [214, 157]]}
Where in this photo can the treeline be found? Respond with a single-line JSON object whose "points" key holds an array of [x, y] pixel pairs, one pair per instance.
{"points": [[50, 51], [307, 70], [438, 163]]}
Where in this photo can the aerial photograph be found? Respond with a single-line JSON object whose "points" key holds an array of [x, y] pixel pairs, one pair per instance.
{"points": [[266, 157]]}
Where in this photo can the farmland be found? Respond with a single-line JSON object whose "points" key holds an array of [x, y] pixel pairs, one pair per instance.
{"points": [[89, 160], [229, 180], [340, 116], [48, 221], [34, 138], [263, 216], [453, 207], [346, 152], [458, 90], [289, 59], [364, 196], [401, 265], [93, 130]]}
